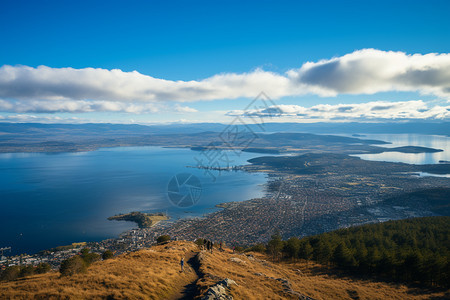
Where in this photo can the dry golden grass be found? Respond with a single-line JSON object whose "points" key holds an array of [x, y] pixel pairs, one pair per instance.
{"points": [[146, 274], [254, 280], [154, 274]]}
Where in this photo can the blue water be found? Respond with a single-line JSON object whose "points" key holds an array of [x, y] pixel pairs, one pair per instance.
{"points": [[398, 140], [47, 200]]}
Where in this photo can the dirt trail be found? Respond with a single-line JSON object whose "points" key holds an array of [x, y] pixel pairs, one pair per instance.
{"points": [[189, 290]]}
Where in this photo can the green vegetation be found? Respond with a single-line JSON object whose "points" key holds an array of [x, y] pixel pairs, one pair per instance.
{"points": [[89, 257], [275, 246], [78, 263], [15, 272], [162, 239], [107, 254], [72, 266], [200, 242], [412, 250], [239, 249], [261, 248]]}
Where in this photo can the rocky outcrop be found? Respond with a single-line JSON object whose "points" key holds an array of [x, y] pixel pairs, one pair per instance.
{"points": [[219, 290], [237, 260]]}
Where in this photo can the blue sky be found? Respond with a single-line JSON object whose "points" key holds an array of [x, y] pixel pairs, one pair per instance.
{"points": [[195, 40]]}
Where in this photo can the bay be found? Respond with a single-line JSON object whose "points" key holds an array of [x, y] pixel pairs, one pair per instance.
{"points": [[399, 140], [47, 200]]}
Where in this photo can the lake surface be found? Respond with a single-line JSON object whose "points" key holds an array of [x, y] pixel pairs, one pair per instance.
{"points": [[398, 140], [49, 200]]}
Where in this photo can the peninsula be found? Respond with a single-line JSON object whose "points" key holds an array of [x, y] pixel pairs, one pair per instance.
{"points": [[143, 220]]}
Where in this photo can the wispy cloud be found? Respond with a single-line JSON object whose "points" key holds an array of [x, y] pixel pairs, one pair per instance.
{"points": [[376, 110], [368, 71], [83, 106], [26, 118]]}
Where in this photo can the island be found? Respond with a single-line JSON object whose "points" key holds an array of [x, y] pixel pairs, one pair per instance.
{"points": [[262, 150], [412, 149], [143, 220]]}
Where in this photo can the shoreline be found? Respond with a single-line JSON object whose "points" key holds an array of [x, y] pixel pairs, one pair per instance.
{"points": [[143, 220], [281, 205], [223, 205]]}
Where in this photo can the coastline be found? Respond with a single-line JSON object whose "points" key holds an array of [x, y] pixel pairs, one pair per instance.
{"points": [[231, 222], [143, 220], [225, 204]]}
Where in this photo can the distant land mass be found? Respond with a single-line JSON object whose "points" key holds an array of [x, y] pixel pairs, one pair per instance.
{"points": [[352, 128], [319, 163], [412, 149], [89, 137], [262, 150]]}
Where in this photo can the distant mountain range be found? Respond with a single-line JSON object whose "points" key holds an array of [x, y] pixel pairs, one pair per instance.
{"points": [[442, 128], [278, 137]]}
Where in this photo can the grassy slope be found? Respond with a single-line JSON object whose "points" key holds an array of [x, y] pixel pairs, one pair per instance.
{"points": [[146, 274], [316, 281], [154, 274]]}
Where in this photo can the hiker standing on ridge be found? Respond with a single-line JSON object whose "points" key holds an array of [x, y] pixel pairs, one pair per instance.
{"points": [[182, 264]]}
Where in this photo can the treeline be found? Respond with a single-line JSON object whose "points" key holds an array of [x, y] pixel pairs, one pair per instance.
{"points": [[15, 272], [73, 265], [412, 250], [79, 263]]}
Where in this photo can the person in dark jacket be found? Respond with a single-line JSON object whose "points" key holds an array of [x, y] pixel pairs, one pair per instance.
{"points": [[182, 264]]}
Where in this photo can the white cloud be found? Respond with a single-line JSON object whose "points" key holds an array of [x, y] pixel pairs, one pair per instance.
{"points": [[83, 106], [368, 71], [26, 118], [25, 83], [185, 109], [376, 110]]}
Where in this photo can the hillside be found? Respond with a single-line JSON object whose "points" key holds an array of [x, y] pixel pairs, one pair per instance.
{"points": [[414, 250], [154, 273]]}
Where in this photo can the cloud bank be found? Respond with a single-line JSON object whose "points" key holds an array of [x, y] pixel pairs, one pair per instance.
{"points": [[370, 71], [84, 106], [44, 89], [24, 83], [375, 111]]}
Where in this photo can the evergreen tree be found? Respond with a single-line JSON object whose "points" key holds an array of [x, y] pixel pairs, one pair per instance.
{"points": [[43, 268], [275, 245], [107, 254], [72, 265], [292, 247], [343, 257], [305, 250], [163, 238]]}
